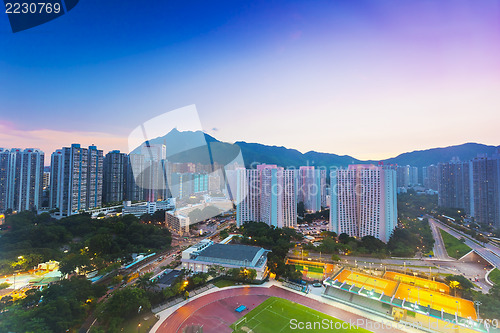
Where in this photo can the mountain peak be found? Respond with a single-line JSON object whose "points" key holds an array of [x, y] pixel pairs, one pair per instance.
{"points": [[187, 146]]}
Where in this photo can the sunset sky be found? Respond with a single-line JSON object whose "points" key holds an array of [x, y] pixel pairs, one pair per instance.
{"points": [[371, 79]]}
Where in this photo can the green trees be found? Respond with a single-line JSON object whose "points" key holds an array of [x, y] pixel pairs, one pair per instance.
{"points": [[75, 262], [60, 307], [123, 304], [144, 281], [241, 274], [216, 270], [92, 244], [223, 234], [490, 303], [321, 215], [279, 241], [460, 283]]}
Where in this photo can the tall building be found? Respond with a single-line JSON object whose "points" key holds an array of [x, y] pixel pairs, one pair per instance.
{"points": [[486, 189], [76, 179], [183, 185], [215, 182], [414, 176], [21, 178], [114, 176], [56, 179], [430, 177], [454, 185], [309, 188], [323, 188], [403, 176], [154, 172], [267, 194], [247, 195], [363, 201], [95, 177], [134, 177]]}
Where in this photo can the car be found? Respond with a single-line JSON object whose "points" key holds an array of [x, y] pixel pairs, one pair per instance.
{"points": [[317, 285]]}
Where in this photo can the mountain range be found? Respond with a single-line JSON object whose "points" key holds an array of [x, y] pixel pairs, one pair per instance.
{"points": [[199, 147]]}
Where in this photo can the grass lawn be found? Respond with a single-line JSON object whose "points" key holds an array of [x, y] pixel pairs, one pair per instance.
{"points": [[132, 325], [455, 248], [275, 314], [495, 276]]}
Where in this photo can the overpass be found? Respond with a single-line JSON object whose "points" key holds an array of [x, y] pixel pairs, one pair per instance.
{"points": [[488, 252]]}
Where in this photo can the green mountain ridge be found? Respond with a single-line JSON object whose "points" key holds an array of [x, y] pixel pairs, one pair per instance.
{"points": [[199, 147]]}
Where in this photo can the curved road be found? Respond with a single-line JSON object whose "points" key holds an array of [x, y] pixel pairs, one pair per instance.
{"points": [[176, 321], [486, 252]]}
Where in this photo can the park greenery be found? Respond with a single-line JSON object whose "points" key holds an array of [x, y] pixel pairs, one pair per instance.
{"points": [[456, 248], [490, 302], [404, 242], [61, 307], [156, 217], [279, 241], [471, 229], [4, 285], [495, 276], [78, 242]]}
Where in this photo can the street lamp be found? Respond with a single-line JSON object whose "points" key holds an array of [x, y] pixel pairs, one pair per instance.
{"points": [[477, 304]]}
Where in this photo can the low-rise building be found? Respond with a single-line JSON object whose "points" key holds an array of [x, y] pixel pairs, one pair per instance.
{"points": [[177, 222], [200, 257], [148, 207]]}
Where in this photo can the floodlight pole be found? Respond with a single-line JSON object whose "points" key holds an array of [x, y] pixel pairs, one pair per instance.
{"points": [[477, 304]]}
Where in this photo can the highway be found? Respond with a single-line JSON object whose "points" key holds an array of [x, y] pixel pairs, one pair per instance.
{"points": [[484, 252], [439, 248]]}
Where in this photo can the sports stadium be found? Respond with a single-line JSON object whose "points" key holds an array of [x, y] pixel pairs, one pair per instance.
{"points": [[405, 298]]}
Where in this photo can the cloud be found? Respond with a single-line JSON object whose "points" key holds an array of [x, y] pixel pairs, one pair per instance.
{"points": [[49, 140]]}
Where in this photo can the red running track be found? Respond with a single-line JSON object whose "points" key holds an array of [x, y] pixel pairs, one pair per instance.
{"points": [[215, 311]]}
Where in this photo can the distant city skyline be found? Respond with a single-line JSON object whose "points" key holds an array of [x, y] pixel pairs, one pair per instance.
{"points": [[369, 79]]}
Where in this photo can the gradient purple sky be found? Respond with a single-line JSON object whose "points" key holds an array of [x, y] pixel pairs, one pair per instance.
{"points": [[371, 79]]}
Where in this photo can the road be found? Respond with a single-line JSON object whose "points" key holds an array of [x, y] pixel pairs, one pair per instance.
{"points": [[439, 248], [470, 270], [484, 252]]}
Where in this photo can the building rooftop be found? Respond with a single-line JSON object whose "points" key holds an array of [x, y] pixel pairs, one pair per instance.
{"points": [[230, 252]]}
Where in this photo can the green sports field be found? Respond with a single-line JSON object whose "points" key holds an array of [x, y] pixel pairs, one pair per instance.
{"points": [[315, 269], [274, 315], [310, 268]]}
